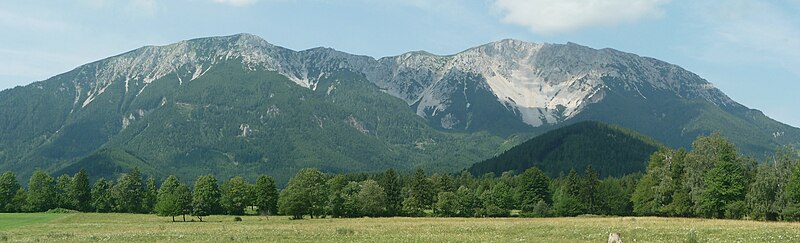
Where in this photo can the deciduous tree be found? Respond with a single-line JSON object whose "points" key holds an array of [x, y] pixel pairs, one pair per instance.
{"points": [[266, 195], [305, 194], [205, 198], [371, 199], [8, 189], [41, 194], [235, 195]]}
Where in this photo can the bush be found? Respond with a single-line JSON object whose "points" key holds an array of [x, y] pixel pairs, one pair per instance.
{"points": [[791, 212], [735, 210], [494, 211], [541, 210]]}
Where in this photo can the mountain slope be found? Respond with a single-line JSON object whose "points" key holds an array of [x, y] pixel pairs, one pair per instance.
{"points": [[519, 86], [223, 106], [611, 150], [240, 105]]}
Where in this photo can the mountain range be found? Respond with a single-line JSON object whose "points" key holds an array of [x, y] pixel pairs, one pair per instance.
{"points": [[238, 105]]}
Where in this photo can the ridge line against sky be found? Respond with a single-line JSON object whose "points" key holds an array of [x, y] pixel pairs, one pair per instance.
{"points": [[748, 49]]}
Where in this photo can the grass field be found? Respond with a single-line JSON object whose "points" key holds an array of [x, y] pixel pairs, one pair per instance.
{"points": [[14, 220], [84, 227]]}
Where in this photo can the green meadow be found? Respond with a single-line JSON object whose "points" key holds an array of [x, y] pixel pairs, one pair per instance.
{"points": [[92, 227]]}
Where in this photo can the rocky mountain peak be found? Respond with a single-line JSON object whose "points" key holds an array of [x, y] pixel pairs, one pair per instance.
{"points": [[540, 83]]}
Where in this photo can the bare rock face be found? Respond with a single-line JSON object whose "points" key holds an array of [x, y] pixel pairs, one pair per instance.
{"points": [[539, 84]]}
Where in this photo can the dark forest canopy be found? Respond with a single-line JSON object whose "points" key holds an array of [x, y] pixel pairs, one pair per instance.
{"points": [[611, 150]]}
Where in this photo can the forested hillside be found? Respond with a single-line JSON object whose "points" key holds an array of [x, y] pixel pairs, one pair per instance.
{"points": [[611, 150]]}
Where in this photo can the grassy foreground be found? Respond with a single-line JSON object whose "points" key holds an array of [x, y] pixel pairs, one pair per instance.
{"points": [[83, 227]]}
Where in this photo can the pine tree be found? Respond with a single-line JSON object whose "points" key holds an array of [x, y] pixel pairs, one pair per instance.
{"points": [[80, 192], [588, 194], [392, 185], [533, 186], [420, 194], [566, 199], [150, 196]]}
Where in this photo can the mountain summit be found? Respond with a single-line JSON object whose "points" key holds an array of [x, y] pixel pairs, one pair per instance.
{"points": [[238, 104]]}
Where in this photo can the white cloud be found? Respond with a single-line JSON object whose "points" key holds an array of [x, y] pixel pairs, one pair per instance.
{"points": [[237, 3], [558, 16]]}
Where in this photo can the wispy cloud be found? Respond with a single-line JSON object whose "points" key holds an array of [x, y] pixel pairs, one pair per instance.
{"points": [[558, 16], [744, 31], [237, 3]]}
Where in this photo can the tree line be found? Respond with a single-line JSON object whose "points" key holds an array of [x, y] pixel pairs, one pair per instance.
{"points": [[131, 194], [712, 180], [316, 194]]}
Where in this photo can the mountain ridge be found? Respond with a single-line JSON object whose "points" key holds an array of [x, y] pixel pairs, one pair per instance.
{"points": [[483, 96]]}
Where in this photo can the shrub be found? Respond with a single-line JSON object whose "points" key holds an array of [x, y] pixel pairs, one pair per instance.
{"points": [[735, 210]]}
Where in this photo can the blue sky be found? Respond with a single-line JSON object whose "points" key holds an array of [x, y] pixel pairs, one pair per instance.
{"points": [[749, 49]]}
